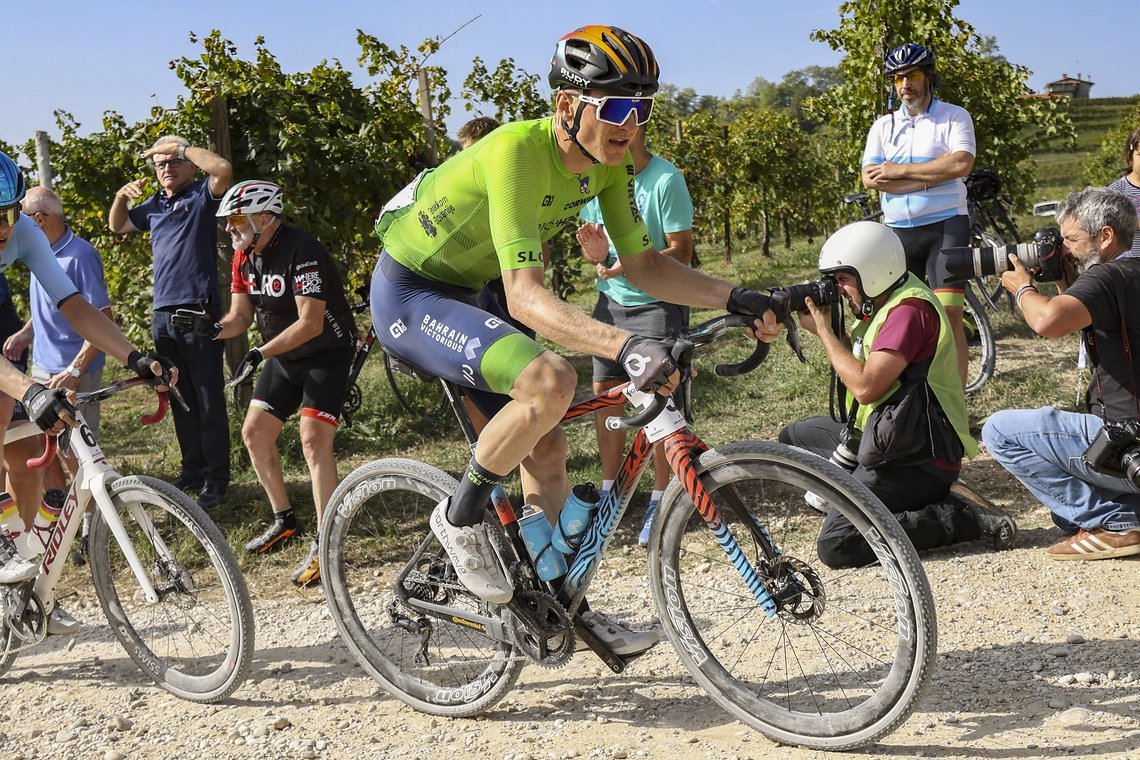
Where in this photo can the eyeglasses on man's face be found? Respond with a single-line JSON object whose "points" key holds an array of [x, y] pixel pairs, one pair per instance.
{"points": [[915, 76], [172, 164]]}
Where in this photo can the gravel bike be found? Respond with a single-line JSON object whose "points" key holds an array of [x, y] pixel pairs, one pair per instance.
{"points": [[979, 333], [807, 655], [164, 575]]}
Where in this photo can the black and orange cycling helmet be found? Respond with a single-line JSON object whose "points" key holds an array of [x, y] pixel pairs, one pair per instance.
{"points": [[606, 58]]}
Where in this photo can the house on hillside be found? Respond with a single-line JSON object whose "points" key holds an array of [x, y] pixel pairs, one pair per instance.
{"points": [[1069, 87]]}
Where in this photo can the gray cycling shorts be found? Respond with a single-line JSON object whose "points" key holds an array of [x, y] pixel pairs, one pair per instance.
{"points": [[653, 320]]}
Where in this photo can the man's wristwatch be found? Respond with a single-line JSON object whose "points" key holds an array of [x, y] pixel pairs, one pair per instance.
{"points": [[73, 370], [182, 152]]}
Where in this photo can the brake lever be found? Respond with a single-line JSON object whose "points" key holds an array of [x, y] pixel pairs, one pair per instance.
{"points": [[779, 303]]}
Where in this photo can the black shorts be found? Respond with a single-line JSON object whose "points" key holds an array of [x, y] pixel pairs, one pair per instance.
{"points": [[315, 384], [923, 246], [652, 320]]}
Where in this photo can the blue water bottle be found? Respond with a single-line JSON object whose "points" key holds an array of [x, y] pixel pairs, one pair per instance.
{"points": [[575, 518], [536, 530]]}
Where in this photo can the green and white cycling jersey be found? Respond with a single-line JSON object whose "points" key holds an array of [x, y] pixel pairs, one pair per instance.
{"points": [[490, 207]]}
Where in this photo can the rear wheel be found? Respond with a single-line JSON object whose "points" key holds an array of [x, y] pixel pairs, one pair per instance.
{"points": [[845, 657], [980, 343], [375, 521], [197, 640]]}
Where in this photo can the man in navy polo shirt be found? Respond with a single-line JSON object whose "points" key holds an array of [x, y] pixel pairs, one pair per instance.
{"points": [[184, 239]]}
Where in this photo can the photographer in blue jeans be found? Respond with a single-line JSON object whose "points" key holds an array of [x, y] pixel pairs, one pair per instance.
{"points": [[1090, 497]]}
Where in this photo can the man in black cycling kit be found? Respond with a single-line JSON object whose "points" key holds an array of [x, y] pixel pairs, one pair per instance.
{"points": [[916, 158], [486, 211], [286, 278]]}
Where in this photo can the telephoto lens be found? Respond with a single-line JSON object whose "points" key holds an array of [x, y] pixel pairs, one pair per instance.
{"points": [[822, 292], [1042, 257]]}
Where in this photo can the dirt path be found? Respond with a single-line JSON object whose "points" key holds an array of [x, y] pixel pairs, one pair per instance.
{"points": [[1038, 659]]}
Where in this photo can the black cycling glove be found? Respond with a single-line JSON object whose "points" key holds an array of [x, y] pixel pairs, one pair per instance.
{"points": [[248, 364], [196, 321], [140, 363], [744, 301], [648, 362], [45, 405]]}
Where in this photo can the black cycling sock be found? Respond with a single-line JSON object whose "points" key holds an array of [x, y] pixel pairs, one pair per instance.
{"points": [[287, 518], [474, 492]]}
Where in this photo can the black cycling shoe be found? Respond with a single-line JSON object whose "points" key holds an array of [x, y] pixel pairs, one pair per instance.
{"points": [[274, 537], [212, 495], [993, 523], [188, 482]]}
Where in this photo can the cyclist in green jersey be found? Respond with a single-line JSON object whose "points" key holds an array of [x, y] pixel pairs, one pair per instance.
{"points": [[486, 211]]}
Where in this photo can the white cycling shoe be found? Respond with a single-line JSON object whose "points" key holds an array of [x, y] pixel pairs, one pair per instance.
{"points": [[616, 636], [14, 568], [473, 557], [61, 623]]}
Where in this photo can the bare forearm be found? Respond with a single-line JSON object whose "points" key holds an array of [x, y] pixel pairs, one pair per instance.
{"points": [[117, 219], [667, 280], [96, 327], [295, 335], [210, 162], [561, 323], [12, 381]]}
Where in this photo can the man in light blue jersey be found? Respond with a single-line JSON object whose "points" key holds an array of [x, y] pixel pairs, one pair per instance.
{"points": [[664, 202], [916, 158]]}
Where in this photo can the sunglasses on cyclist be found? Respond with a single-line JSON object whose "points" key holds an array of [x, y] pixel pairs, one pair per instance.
{"points": [[914, 76], [615, 110], [10, 214], [237, 219]]}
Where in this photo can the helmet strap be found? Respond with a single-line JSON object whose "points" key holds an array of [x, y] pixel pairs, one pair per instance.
{"points": [[572, 131]]}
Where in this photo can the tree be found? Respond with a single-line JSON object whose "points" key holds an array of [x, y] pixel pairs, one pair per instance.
{"points": [[1010, 126], [1105, 166]]}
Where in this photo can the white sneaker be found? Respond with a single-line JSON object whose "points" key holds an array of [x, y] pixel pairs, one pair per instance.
{"points": [[13, 567], [61, 623], [816, 502], [473, 556], [617, 637]]}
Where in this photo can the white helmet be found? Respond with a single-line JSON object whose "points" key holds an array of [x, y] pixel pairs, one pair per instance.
{"points": [[869, 250], [253, 196]]}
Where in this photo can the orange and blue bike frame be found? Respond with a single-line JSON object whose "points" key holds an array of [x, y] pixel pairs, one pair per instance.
{"points": [[682, 448]]}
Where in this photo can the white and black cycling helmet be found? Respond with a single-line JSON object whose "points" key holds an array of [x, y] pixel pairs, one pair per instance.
{"points": [[909, 55], [870, 251], [253, 196]]}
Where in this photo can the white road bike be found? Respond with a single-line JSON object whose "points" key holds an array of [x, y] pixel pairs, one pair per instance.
{"points": [[167, 581]]}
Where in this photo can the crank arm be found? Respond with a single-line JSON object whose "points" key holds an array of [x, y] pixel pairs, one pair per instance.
{"points": [[489, 626]]}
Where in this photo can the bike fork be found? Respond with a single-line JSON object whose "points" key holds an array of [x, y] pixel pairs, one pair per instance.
{"points": [[679, 451]]}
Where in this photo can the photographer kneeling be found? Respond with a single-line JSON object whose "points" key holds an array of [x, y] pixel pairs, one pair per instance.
{"points": [[1078, 464], [904, 398]]}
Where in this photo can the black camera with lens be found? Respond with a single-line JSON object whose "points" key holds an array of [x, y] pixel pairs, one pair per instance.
{"points": [[1116, 451], [822, 292], [1042, 257]]}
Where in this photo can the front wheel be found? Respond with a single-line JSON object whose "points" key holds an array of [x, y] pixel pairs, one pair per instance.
{"points": [[847, 653], [197, 640], [438, 663]]}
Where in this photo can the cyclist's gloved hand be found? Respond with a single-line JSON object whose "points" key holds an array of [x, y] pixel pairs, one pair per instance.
{"points": [[248, 364], [142, 365], [744, 301], [196, 321], [648, 362], [47, 407]]}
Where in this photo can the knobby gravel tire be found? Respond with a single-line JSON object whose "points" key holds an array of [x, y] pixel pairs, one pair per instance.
{"points": [[376, 519], [197, 641], [842, 677]]}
